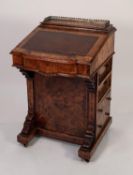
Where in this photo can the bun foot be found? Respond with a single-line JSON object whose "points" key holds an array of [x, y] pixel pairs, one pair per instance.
{"points": [[84, 154], [26, 138], [25, 145], [87, 160]]}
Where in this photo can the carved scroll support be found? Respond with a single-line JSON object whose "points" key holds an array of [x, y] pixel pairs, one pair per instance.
{"points": [[89, 137], [28, 130]]}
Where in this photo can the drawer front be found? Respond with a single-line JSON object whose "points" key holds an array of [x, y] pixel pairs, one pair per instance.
{"points": [[104, 87], [104, 70], [103, 112]]}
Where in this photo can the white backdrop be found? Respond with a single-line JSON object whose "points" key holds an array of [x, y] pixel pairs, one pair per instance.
{"points": [[115, 153]]}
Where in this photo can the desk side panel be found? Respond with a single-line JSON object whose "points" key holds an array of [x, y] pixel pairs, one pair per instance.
{"points": [[60, 104]]}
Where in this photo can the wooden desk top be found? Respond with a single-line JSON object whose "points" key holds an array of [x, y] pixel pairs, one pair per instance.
{"points": [[64, 40]]}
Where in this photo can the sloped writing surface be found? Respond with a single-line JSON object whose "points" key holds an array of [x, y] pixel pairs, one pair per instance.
{"points": [[60, 43]]}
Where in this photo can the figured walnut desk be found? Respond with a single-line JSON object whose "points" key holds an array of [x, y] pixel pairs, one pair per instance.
{"points": [[67, 63]]}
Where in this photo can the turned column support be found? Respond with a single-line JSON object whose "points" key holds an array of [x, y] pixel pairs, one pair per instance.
{"points": [[89, 137], [28, 130]]}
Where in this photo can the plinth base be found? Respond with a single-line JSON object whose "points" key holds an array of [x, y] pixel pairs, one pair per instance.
{"points": [[84, 153]]}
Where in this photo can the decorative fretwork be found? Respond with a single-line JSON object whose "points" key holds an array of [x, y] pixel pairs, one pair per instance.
{"points": [[89, 23]]}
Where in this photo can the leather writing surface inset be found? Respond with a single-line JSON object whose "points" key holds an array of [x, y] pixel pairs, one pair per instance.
{"points": [[60, 43]]}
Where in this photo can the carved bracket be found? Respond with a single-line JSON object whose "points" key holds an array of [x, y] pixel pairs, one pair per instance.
{"points": [[29, 121], [28, 125], [27, 74]]}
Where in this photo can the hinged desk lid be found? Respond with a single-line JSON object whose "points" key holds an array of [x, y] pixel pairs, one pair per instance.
{"points": [[66, 41]]}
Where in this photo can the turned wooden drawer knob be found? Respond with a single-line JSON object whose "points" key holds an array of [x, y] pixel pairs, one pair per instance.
{"points": [[109, 98], [99, 126], [107, 113], [100, 110]]}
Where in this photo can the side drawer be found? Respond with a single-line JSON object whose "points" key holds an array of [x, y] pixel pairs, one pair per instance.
{"points": [[105, 70], [103, 112], [104, 88]]}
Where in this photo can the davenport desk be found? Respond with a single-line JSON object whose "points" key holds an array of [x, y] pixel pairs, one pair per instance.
{"points": [[67, 63]]}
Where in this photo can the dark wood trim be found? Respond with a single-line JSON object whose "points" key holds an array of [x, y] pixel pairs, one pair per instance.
{"points": [[28, 130], [91, 128]]}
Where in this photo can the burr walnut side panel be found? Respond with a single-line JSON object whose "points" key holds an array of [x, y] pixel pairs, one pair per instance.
{"points": [[61, 104]]}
